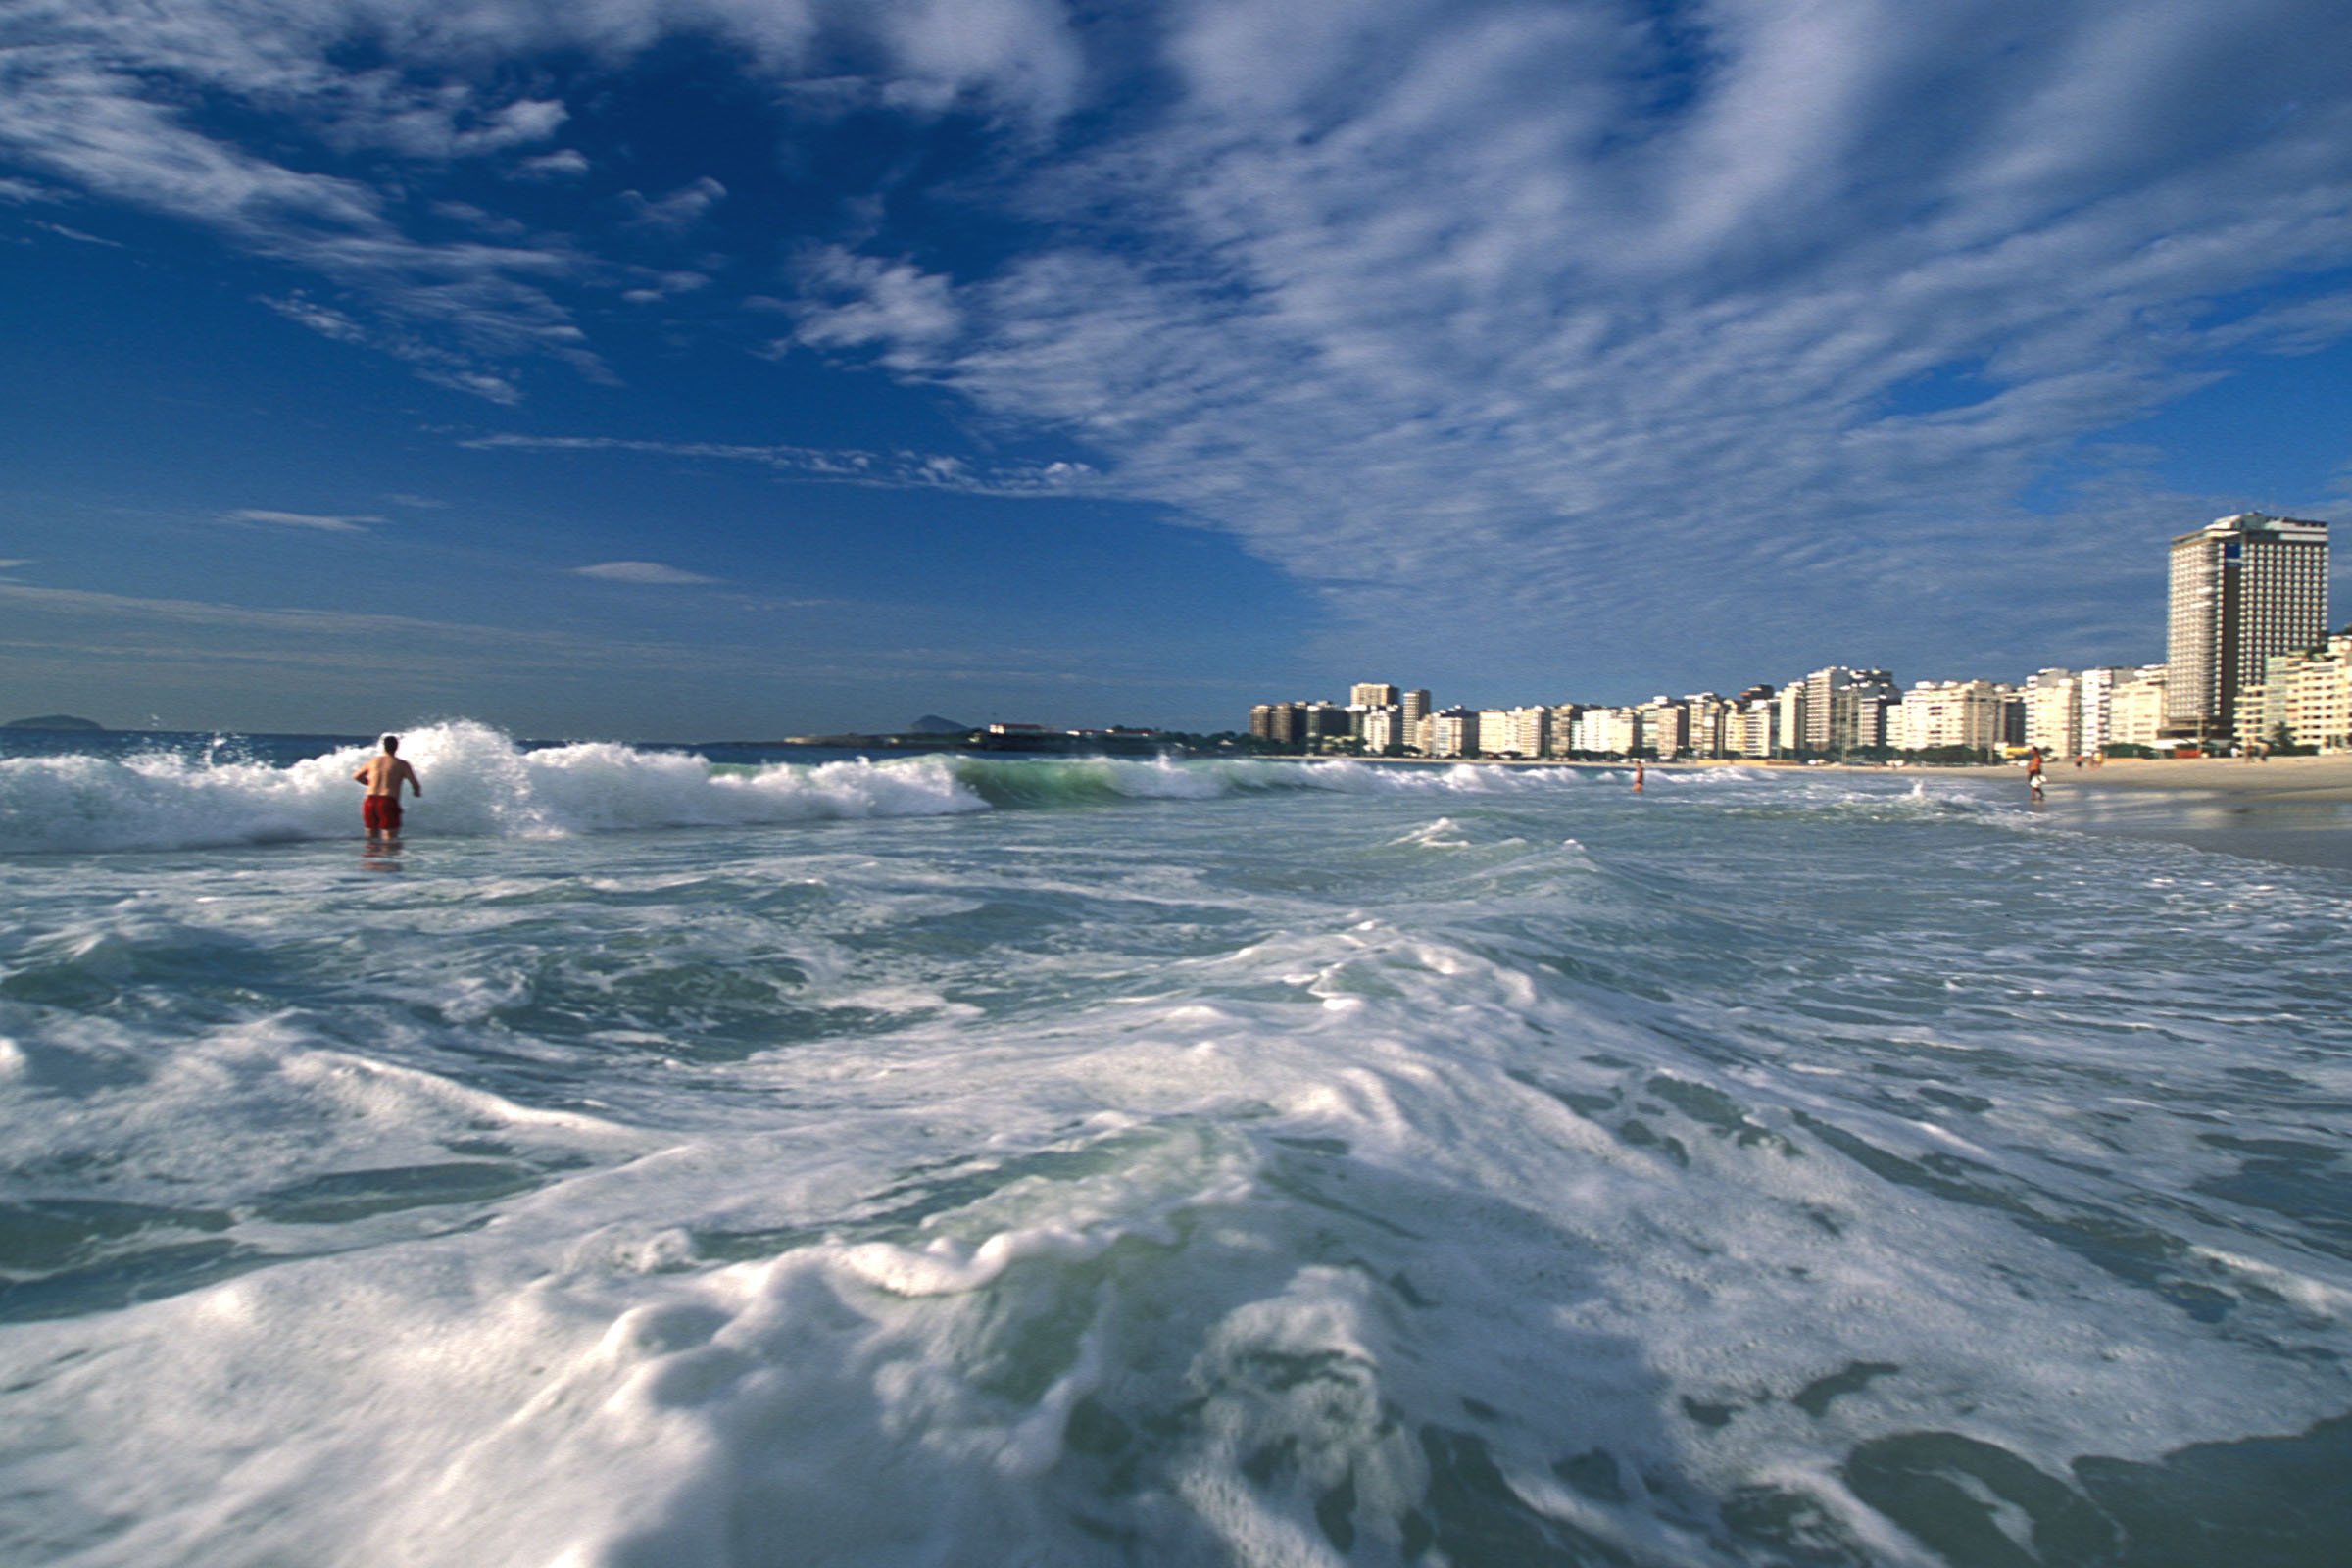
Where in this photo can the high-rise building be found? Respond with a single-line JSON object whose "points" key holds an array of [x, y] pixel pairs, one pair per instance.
{"points": [[1372, 694], [1453, 732], [2054, 712], [2242, 589], [1416, 705], [2135, 708], [1513, 731], [1937, 713]]}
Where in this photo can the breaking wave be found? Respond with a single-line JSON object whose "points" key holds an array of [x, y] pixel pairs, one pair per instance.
{"points": [[479, 783]]}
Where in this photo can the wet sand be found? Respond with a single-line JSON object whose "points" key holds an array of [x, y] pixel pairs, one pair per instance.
{"points": [[2296, 811], [2313, 780]]}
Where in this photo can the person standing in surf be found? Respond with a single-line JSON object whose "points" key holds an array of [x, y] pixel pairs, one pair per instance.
{"points": [[383, 775]]}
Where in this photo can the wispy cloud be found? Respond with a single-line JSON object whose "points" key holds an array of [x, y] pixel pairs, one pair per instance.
{"points": [[563, 163], [892, 470], [681, 209], [79, 236], [319, 521], [640, 572], [1453, 306], [12, 564], [1606, 319]]}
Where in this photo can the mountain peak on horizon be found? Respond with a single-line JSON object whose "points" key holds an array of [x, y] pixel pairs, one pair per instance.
{"points": [[933, 724]]}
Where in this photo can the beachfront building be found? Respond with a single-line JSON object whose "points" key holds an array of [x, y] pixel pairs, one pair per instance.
{"points": [[1792, 706], [1665, 727], [1371, 694], [2305, 699], [1383, 730], [1862, 710], [1563, 729], [2135, 708], [1756, 729], [1415, 706], [2242, 589], [2052, 712], [1937, 714], [1708, 724], [2094, 693], [1514, 731], [1300, 727], [1453, 732], [1608, 731], [1819, 707], [1843, 710]]}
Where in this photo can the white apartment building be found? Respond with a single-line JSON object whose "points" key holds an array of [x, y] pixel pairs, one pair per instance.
{"points": [[2306, 696], [1791, 705], [1608, 729], [1513, 731], [1453, 732], [1948, 712], [2242, 589], [1756, 727], [1383, 728], [2094, 692], [1665, 727], [2135, 708], [1711, 720], [2053, 713]]}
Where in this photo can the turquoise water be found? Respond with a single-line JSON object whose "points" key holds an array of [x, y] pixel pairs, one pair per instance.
{"points": [[952, 1160]]}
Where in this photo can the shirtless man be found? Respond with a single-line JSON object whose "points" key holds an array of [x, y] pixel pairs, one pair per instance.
{"points": [[383, 777]]}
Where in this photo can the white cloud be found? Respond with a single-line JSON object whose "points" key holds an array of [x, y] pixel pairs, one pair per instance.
{"points": [[639, 572], [681, 209], [563, 163], [321, 522], [423, 503], [1427, 302], [76, 235], [886, 471], [12, 564], [1472, 305]]}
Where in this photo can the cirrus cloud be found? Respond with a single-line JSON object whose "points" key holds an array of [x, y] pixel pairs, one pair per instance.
{"points": [[651, 572]]}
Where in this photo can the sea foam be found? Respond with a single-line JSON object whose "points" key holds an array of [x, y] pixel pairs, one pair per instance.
{"points": [[480, 783]]}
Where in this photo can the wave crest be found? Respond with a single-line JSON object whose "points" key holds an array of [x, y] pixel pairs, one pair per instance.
{"points": [[480, 784]]}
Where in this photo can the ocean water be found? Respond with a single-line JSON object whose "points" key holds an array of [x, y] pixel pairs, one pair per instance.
{"points": [[947, 1160]]}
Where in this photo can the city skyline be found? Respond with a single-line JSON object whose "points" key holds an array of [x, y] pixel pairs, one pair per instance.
{"points": [[775, 367], [2249, 662]]}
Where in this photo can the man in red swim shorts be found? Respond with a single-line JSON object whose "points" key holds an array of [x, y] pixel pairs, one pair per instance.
{"points": [[383, 775]]}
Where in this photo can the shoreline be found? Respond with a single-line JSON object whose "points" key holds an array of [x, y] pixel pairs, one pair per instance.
{"points": [[2295, 780]]}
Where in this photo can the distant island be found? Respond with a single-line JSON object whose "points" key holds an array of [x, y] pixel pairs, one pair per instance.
{"points": [[933, 724], [54, 722]]}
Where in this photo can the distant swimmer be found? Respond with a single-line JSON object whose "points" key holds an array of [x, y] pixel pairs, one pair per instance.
{"points": [[1637, 772], [2034, 773], [383, 775]]}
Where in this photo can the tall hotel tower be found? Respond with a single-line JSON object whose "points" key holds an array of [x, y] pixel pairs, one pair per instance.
{"points": [[2244, 588]]}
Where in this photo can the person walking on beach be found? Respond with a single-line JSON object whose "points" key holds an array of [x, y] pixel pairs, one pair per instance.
{"points": [[2034, 773], [383, 775]]}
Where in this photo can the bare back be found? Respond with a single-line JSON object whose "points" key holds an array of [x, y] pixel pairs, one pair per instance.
{"points": [[384, 775]]}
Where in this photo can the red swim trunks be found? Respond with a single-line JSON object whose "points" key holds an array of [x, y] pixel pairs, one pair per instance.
{"points": [[381, 813]]}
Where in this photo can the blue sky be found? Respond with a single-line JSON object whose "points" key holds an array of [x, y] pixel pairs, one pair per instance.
{"points": [[698, 368]]}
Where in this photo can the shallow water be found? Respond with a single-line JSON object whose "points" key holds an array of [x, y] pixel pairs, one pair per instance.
{"points": [[955, 1160]]}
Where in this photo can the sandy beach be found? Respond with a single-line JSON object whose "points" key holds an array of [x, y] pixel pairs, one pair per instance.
{"points": [[2294, 811], [2315, 780]]}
